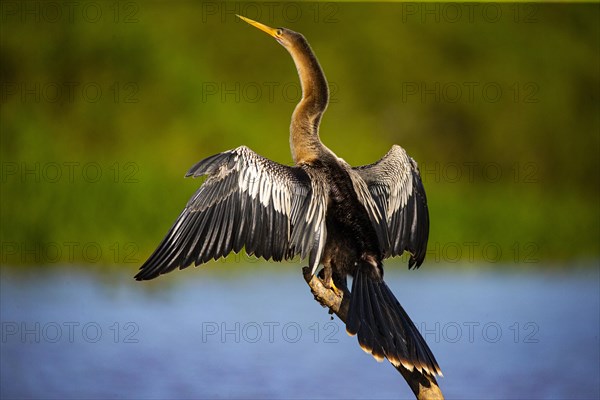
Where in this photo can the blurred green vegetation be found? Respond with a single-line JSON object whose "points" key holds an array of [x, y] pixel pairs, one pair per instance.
{"points": [[105, 105]]}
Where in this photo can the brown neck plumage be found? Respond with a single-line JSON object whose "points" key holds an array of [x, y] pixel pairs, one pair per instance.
{"points": [[304, 130]]}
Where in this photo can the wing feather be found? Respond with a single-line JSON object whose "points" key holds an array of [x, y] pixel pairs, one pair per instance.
{"points": [[396, 189], [247, 201]]}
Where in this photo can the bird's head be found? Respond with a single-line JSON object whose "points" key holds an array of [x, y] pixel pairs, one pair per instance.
{"points": [[286, 37], [315, 91]]}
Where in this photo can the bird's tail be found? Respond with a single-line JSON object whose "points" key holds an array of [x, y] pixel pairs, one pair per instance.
{"points": [[383, 327]]}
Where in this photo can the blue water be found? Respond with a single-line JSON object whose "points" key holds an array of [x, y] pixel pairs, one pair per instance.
{"points": [[72, 334]]}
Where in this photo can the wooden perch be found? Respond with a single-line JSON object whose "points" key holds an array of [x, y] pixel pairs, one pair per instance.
{"points": [[424, 386]]}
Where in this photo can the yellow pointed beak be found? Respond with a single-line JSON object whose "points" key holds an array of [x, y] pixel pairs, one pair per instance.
{"points": [[262, 27]]}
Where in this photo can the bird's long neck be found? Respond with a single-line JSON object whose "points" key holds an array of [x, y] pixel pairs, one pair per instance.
{"points": [[304, 130]]}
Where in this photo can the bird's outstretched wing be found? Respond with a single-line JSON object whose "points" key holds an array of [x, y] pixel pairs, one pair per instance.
{"points": [[395, 186], [247, 201]]}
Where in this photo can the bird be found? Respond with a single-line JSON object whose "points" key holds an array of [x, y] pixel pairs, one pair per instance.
{"points": [[347, 219]]}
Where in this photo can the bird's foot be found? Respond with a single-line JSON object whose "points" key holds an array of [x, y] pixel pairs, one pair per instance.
{"points": [[326, 278], [331, 286]]}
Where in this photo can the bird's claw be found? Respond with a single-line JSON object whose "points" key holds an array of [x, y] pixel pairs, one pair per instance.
{"points": [[327, 279], [331, 286]]}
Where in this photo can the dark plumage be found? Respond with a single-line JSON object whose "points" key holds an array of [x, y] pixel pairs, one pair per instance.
{"points": [[347, 219]]}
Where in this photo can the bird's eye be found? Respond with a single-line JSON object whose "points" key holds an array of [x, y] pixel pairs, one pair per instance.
{"points": [[279, 32]]}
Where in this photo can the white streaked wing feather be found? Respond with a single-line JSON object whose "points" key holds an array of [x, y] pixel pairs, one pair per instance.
{"points": [[273, 210], [395, 186]]}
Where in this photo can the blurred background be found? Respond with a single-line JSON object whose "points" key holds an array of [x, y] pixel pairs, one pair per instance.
{"points": [[105, 106]]}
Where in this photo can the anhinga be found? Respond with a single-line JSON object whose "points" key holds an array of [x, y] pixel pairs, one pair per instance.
{"points": [[347, 218]]}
